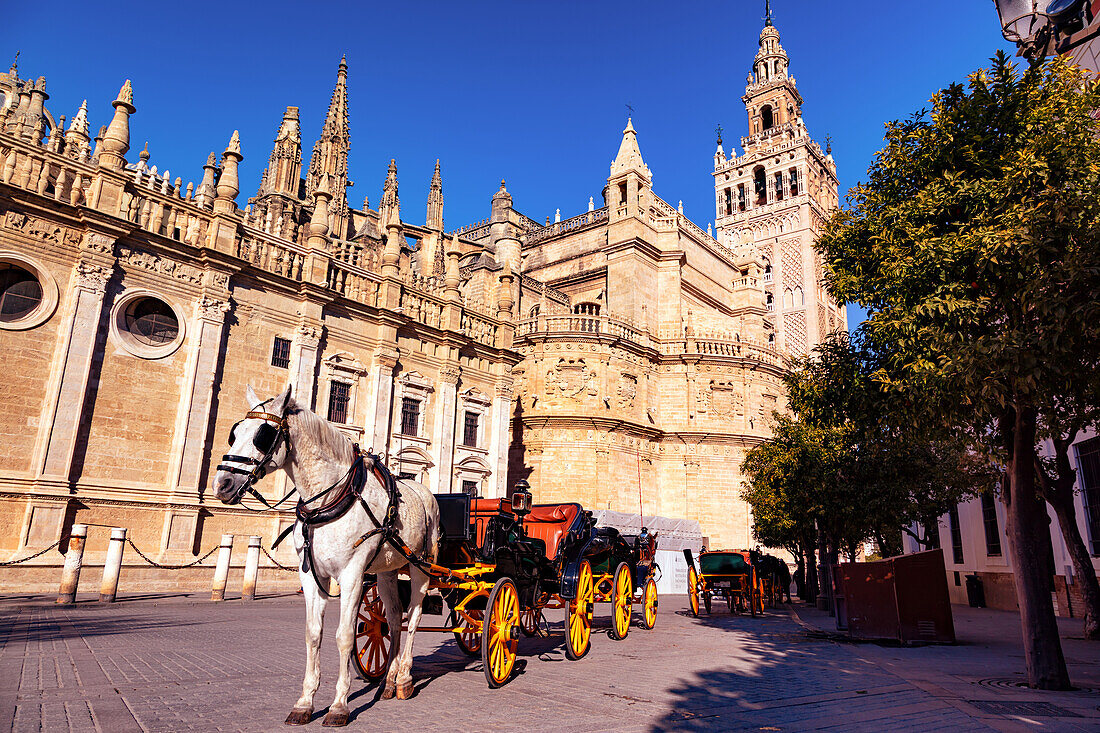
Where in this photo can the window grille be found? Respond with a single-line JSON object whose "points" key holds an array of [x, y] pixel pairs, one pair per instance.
{"points": [[410, 416], [469, 487], [992, 530], [280, 353], [1088, 467], [469, 433], [956, 535], [339, 395]]}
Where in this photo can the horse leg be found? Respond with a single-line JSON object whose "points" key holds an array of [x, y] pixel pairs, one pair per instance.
{"points": [[391, 602], [315, 617], [416, 606], [351, 591]]}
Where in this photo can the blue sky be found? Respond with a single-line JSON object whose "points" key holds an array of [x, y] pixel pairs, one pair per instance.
{"points": [[531, 92]]}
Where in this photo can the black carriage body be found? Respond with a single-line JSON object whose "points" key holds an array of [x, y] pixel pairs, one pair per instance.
{"points": [[483, 530], [565, 531]]}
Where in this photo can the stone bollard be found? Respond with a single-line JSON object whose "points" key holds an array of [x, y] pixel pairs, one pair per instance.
{"points": [[251, 569], [112, 566], [221, 570], [74, 559]]}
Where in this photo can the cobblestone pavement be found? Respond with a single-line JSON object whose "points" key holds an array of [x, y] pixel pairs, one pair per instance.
{"points": [[183, 663]]}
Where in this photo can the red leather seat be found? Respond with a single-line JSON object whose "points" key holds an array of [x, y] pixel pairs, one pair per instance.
{"points": [[549, 523], [481, 510]]}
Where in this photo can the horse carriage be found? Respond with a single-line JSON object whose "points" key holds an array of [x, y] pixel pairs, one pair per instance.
{"points": [[503, 563], [497, 564], [726, 574]]}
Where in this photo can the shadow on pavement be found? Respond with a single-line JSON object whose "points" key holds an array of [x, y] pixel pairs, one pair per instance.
{"points": [[38, 630]]}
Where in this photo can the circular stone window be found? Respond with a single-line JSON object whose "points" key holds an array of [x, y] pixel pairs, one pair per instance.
{"points": [[20, 292], [28, 295], [146, 325]]}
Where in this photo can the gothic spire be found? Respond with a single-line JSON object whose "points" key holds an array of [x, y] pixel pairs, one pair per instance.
{"points": [[435, 201], [284, 168], [630, 156], [330, 153], [767, 12], [390, 201]]}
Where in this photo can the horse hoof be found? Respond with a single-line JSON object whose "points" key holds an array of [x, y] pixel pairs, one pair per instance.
{"points": [[299, 716], [405, 690], [387, 692], [335, 719]]}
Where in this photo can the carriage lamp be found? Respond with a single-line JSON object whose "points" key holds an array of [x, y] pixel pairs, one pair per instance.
{"points": [[521, 499], [1033, 24]]}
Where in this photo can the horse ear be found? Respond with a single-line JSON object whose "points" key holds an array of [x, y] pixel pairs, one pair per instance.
{"points": [[280, 402], [251, 397]]}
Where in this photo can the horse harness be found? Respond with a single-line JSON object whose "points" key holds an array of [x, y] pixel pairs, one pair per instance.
{"points": [[348, 490]]}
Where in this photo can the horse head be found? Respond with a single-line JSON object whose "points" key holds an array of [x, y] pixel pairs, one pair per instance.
{"points": [[257, 445]]}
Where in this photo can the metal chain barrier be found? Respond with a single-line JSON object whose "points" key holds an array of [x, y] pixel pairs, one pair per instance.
{"points": [[276, 562], [30, 557], [162, 566]]}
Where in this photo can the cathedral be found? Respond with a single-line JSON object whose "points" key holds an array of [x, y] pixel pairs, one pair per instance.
{"points": [[624, 358]]}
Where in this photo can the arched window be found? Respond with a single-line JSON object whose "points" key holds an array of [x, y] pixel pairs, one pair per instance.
{"points": [[788, 298], [768, 274], [771, 302], [799, 297], [767, 117], [760, 184], [533, 313]]}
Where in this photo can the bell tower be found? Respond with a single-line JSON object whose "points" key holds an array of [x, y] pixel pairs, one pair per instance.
{"points": [[776, 197]]}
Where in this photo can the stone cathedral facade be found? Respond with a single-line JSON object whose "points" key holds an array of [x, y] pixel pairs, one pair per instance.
{"points": [[623, 358]]}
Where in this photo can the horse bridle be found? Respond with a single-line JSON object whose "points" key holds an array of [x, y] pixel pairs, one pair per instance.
{"points": [[272, 433]]}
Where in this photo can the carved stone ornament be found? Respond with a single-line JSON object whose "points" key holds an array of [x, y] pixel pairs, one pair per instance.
{"points": [[40, 229], [627, 390], [475, 396], [449, 373], [211, 309], [92, 278], [569, 378], [218, 280], [344, 363], [96, 242], [160, 265], [721, 400], [309, 334]]}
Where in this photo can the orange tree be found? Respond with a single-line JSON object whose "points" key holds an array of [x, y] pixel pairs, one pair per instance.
{"points": [[974, 248], [847, 464]]}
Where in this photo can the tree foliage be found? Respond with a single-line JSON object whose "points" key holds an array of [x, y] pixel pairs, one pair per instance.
{"points": [[974, 247], [847, 462]]}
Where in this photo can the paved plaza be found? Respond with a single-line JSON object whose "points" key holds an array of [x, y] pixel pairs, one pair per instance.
{"points": [[182, 663]]}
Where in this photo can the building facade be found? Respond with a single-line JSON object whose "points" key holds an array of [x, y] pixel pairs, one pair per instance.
{"points": [[135, 309], [974, 543], [623, 358]]}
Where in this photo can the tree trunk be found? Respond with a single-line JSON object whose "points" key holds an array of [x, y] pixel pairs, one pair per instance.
{"points": [[800, 573], [1082, 563], [811, 571], [824, 591], [1026, 521]]}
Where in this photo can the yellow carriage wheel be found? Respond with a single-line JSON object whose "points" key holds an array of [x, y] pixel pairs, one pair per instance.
{"points": [[498, 633], [372, 637], [693, 591], [469, 640], [649, 608], [578, 621], [622, 602]]}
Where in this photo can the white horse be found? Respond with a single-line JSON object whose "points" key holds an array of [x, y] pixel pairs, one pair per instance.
{"points": [[279, 433]]}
